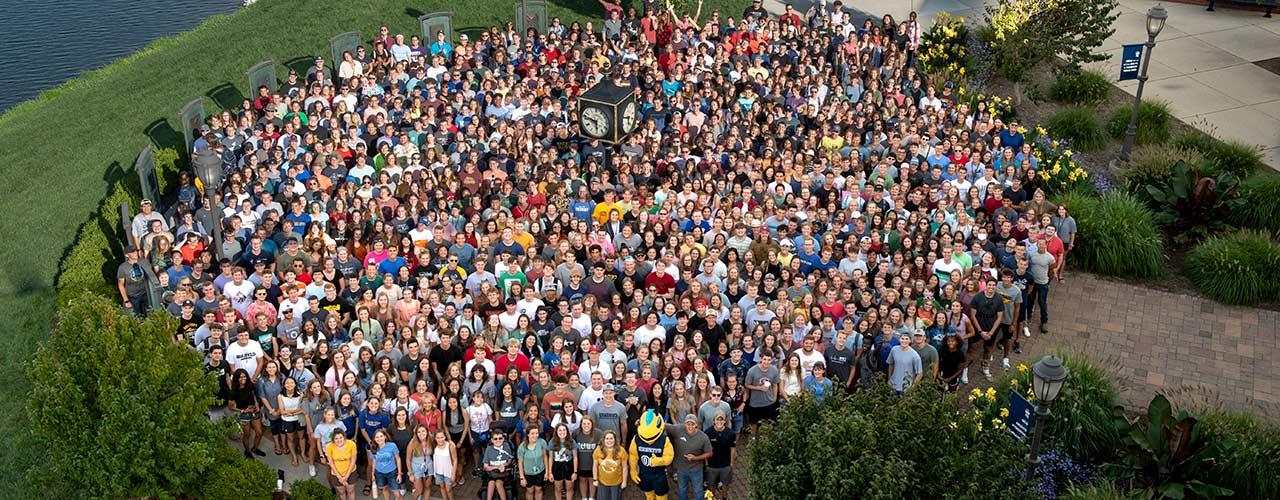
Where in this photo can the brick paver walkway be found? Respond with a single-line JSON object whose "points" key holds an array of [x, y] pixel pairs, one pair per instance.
{"points": [[1189, 347]]}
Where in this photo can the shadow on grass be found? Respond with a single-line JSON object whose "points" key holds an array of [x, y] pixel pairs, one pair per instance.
{"points": [[298, 64], [226, 96]]}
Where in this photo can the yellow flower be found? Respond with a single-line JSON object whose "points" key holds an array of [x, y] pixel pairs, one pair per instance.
{"points": [[991, 393], [1040, 131], [1022, 367], [1013, 382], [1004, 412], [954, 425], [1067, 152], [979, 426], [1054, 143]]}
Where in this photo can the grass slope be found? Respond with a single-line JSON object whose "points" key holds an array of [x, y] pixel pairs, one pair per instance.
{"points": [[61, 150]]}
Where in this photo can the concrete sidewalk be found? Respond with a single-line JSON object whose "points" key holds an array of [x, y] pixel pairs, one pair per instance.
{"points": [[1203, 63]]}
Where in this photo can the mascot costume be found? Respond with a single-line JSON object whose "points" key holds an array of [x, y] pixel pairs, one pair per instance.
{"points": [[651, 453]]}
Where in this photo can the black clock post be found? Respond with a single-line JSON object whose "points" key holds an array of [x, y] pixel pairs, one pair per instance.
{"points": [[609, 112]]}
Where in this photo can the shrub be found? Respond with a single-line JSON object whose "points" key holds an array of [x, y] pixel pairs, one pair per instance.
{"points": [[1261, 206], [1240, 268], [113, 390], [1060, 169], [234, 477], [1154, 118], [1236, 158], [1167, 453], [1116, 236], [1101, 490], [1251, 465], [1153, 164], [812, 449], [1196, 140], [1084, 86], [1193, 204], [310, 489], [1082, 423], [1079, 126]]}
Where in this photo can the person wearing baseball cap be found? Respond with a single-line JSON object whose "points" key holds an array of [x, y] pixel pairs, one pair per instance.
{"points": [[905, 367]]}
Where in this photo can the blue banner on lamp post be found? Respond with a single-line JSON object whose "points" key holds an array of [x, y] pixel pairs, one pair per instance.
{"points": [[1130, 61], [1021, 416]]}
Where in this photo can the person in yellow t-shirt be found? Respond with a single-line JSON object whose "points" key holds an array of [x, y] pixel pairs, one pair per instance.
{"points": [[610, 203], [610, 468], [341, 453]]}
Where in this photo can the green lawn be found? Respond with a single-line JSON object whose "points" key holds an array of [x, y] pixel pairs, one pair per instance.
{"points": [[60, 151]]}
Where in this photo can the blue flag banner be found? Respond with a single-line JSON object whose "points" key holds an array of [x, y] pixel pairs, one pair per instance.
{"points": [[1130, 61], [1021, 416]]}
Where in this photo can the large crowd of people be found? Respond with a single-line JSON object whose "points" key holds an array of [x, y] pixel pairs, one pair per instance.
{"points": [[429, 274]]}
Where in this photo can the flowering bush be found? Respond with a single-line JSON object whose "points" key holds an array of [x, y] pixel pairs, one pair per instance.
{"points": [[1057, 165], [944, 55], [1058, 471]]}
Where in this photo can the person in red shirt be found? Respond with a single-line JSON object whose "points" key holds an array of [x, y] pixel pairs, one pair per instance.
{"points": [[660, 280], [789, 17], [513, 357]]}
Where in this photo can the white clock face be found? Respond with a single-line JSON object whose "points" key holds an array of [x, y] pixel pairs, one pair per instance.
{"points": [[629, 117], [594, 122]]}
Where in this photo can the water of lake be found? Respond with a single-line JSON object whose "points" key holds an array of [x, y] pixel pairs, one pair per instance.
{"points": [[46, 43]]}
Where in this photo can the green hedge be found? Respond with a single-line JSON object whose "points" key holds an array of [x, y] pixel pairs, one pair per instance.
{"points": [[1154, 121], [1250, 465], [1153, 164], [310, 489], [1084, 86], [234, 477], [1261, 208], [1117, 235], [1235, 157], [1079, 126], [1240, 268]]}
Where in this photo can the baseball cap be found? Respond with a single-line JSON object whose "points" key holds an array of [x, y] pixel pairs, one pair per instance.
{"points": [[690, 417], [609, 387]]}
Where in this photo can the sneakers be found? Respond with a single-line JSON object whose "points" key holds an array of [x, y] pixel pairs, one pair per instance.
{"points": [[375, 492], [1026, 331], [1044, 327], [1005, 363], [964, 376], [312, 470], [986, 372]]}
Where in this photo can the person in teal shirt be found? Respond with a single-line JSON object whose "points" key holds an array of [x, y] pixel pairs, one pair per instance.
{"points": [[818, 383], [532, 456]]}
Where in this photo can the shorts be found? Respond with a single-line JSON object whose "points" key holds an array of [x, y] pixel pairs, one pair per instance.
{"points": [[421, 467], [277, 426], [757, 414], [457, 438], [386, 480], [288, 427], [719, 475], [534, 480], [1001, 335], [562, 471], [584, 473], [655, 483], [250, 416], [479, 440], [443, 480]]}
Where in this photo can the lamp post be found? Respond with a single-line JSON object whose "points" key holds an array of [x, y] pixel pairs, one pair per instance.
{"points": [[1156, 17], [1049, 375], [208, 167]]}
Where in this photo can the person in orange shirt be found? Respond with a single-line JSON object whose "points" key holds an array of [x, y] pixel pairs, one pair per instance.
{"points": [[341, 453]]}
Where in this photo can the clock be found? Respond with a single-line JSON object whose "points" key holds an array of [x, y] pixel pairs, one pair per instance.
{"points": [[629, 117], [608, 111], [594, 122]]}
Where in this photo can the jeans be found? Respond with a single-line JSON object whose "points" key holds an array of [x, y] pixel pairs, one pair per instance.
{"points": [[689, 485], [141, 304], [609, 492], [1039, 298], [737, 422]]}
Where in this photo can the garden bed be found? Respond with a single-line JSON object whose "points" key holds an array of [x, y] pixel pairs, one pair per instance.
{"points": [[1036, 107]]}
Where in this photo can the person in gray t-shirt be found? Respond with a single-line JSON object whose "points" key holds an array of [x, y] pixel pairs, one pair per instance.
{"points": [[609, 414], [905, 368], [762, 388], [693, 448], [1041, 262]]}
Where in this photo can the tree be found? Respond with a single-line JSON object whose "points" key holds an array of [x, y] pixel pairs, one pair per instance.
{"points": [[1026, 33], [876, 445], [121, 409]]}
